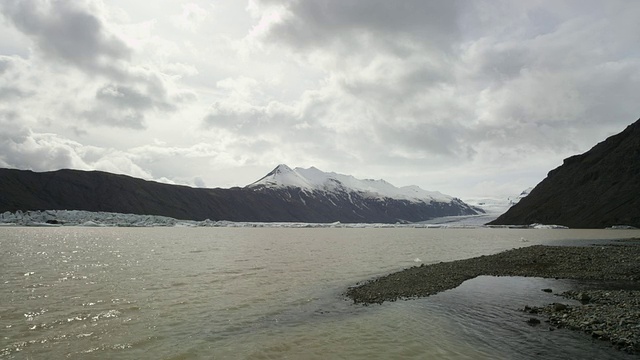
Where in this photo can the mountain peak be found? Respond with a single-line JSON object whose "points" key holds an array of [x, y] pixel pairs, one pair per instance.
{"points": [[283, 167], [282, 176], [280, 169]]}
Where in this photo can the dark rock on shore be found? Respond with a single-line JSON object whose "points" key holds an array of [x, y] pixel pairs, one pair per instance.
{"points": [[597, 189]]}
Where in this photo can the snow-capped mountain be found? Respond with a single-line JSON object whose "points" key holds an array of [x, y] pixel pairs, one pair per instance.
{"points": [[324, 196], [312, 179]]}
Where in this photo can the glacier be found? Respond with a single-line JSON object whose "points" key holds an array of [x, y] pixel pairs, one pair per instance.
{"points": [[57, 218]]}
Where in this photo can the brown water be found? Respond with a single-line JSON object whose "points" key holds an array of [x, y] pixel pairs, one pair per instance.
{"points": [[269, 293]]}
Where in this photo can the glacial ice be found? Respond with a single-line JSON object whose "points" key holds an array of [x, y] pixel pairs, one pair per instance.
{"points": [[108, 219]]}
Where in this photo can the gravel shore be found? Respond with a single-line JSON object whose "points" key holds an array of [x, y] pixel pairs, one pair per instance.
{"points": [[610, 315]]}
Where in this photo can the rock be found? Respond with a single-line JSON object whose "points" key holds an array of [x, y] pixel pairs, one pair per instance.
{"points": [[533, 321], [559, 307], [599, 334], [583, 298], [547, 290]]}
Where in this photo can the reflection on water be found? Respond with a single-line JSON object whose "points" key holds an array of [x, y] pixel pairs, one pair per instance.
{"points": [[181, 293]]}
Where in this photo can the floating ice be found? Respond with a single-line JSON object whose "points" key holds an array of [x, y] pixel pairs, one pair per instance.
{"points": [[107, 219]]}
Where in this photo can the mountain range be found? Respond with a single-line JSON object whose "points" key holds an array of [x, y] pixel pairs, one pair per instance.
{"points": [[597, 189], [283, 195]]}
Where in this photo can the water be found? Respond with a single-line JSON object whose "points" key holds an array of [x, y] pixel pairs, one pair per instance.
{"points": [[243, 293]]}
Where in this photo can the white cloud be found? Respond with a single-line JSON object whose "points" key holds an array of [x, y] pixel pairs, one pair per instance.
{"points": [[74, 35], [25, 149], [191, 17]]}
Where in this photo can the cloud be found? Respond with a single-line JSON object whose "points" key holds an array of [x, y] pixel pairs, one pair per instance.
{"points": [[352, 23], [451, 78], [69, 32], [73, 33], [8, 92], [5, 64], [191, 17], [125, 106], [10, 67], [22, 148]]}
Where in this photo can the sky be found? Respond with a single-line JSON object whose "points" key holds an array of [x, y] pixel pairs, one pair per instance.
{"points": [[470, 98]]}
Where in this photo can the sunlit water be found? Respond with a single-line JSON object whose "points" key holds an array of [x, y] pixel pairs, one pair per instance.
{"points": [[243, 293]]}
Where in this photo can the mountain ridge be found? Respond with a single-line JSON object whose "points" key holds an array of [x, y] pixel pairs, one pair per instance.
{"points": [[100, 191]]}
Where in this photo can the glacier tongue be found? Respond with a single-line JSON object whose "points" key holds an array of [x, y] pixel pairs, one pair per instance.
{"points": [[313, 179]]}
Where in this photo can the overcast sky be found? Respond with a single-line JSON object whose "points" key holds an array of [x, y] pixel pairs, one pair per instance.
{"points": [[470, 98]]}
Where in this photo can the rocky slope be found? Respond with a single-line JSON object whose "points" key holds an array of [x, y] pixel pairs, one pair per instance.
{"points": [[100, 191], [597, 189]]}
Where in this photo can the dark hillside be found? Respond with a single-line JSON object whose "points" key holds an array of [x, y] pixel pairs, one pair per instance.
{"points": [[597, 189]]}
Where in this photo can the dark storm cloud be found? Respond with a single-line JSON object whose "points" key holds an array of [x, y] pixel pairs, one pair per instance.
{"points": [[68, 32], [325, 22], [72, 33]]}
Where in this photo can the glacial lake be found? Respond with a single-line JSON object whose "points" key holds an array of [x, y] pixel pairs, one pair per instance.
{"points": [[270, 293]]}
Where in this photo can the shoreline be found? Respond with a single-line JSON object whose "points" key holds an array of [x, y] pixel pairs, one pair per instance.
{"points": [[612, 315]]}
